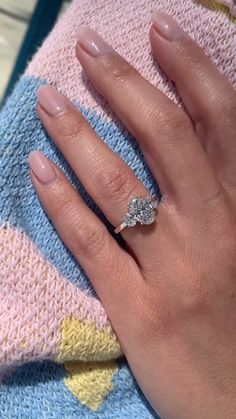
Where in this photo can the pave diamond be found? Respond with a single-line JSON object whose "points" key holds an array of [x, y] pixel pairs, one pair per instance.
{"points": [[152, 202], [142, 210], [130, 220]]}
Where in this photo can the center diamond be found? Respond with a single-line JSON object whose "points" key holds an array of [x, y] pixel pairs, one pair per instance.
{"points": [[142, 210]]}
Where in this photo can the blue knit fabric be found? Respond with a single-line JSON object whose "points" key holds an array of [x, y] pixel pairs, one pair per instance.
{"points": [[22, 132], [37, 391]]}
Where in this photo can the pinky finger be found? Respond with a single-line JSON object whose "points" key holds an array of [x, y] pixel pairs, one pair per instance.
{"points": [[109, 267]]}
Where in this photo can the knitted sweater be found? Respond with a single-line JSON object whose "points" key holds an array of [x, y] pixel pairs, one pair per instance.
{"points": [[59, 357]]}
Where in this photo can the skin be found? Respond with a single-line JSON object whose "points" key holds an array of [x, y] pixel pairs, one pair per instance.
{"points": [[170, 295]]}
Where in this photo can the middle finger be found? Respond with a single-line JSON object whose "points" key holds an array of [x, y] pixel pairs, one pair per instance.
{"points": [[164, 131]]}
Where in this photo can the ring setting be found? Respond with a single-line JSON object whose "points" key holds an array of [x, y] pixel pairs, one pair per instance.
{"points": [[142, 210]]}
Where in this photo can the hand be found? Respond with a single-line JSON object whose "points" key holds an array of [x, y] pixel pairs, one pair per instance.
{"points": [[171, 294]]}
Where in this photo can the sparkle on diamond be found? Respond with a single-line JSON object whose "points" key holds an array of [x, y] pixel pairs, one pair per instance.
{"points": [[142, 210], [130, 220]]}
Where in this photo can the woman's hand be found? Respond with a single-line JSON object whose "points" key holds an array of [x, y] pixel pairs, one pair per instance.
{"points": [[171, 295]]}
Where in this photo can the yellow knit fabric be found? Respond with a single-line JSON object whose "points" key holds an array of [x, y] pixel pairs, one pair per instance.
{"points": [[83, 341], [90, 382], [214, 5]]}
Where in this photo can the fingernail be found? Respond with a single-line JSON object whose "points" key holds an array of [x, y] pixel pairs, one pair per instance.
{"points": [[42, 168], [92, 43], [167, 27], [53, 102]]}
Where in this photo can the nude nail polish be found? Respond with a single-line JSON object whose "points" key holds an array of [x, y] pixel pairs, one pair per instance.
{"points": [[42, 168], [167, 27], [93, 43], [53, 102]]}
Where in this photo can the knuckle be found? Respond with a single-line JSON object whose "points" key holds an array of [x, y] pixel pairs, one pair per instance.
{"points": [[116, 184], [62, 210], [179, 123], [71, 128], [158, 317], [117, 69], [171, 121], [89, 238], [85, 236], [152, 114]]}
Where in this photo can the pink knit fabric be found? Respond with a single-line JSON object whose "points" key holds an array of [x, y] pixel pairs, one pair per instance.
{"points": [[34, 293], [34, 301], [42, 314], [56, 61]]}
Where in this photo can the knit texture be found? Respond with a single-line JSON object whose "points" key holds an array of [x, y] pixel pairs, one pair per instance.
{"points": [[59, 357]]}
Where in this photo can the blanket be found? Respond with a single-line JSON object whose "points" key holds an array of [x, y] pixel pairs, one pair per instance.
{"points": [[59, 356]]}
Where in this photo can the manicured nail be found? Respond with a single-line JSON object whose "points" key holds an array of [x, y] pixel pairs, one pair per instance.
{"points": [[53, 102], [92, 43], [167, 27], [42, 168]]}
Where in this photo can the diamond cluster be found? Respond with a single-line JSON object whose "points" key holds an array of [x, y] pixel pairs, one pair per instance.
{"points": [[141, 210]]}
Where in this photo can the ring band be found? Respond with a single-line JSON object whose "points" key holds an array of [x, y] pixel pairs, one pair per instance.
{"points": [[141, 210]]}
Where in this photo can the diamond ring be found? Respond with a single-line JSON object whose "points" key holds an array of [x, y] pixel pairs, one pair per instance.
{"points": [[141, 210]]}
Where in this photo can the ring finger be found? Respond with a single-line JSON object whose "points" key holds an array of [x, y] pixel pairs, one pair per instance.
{"points": [[107, 179]]}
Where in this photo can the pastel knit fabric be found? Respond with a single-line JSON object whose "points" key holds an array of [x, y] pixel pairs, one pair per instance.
{"points": [[59, 357]]}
